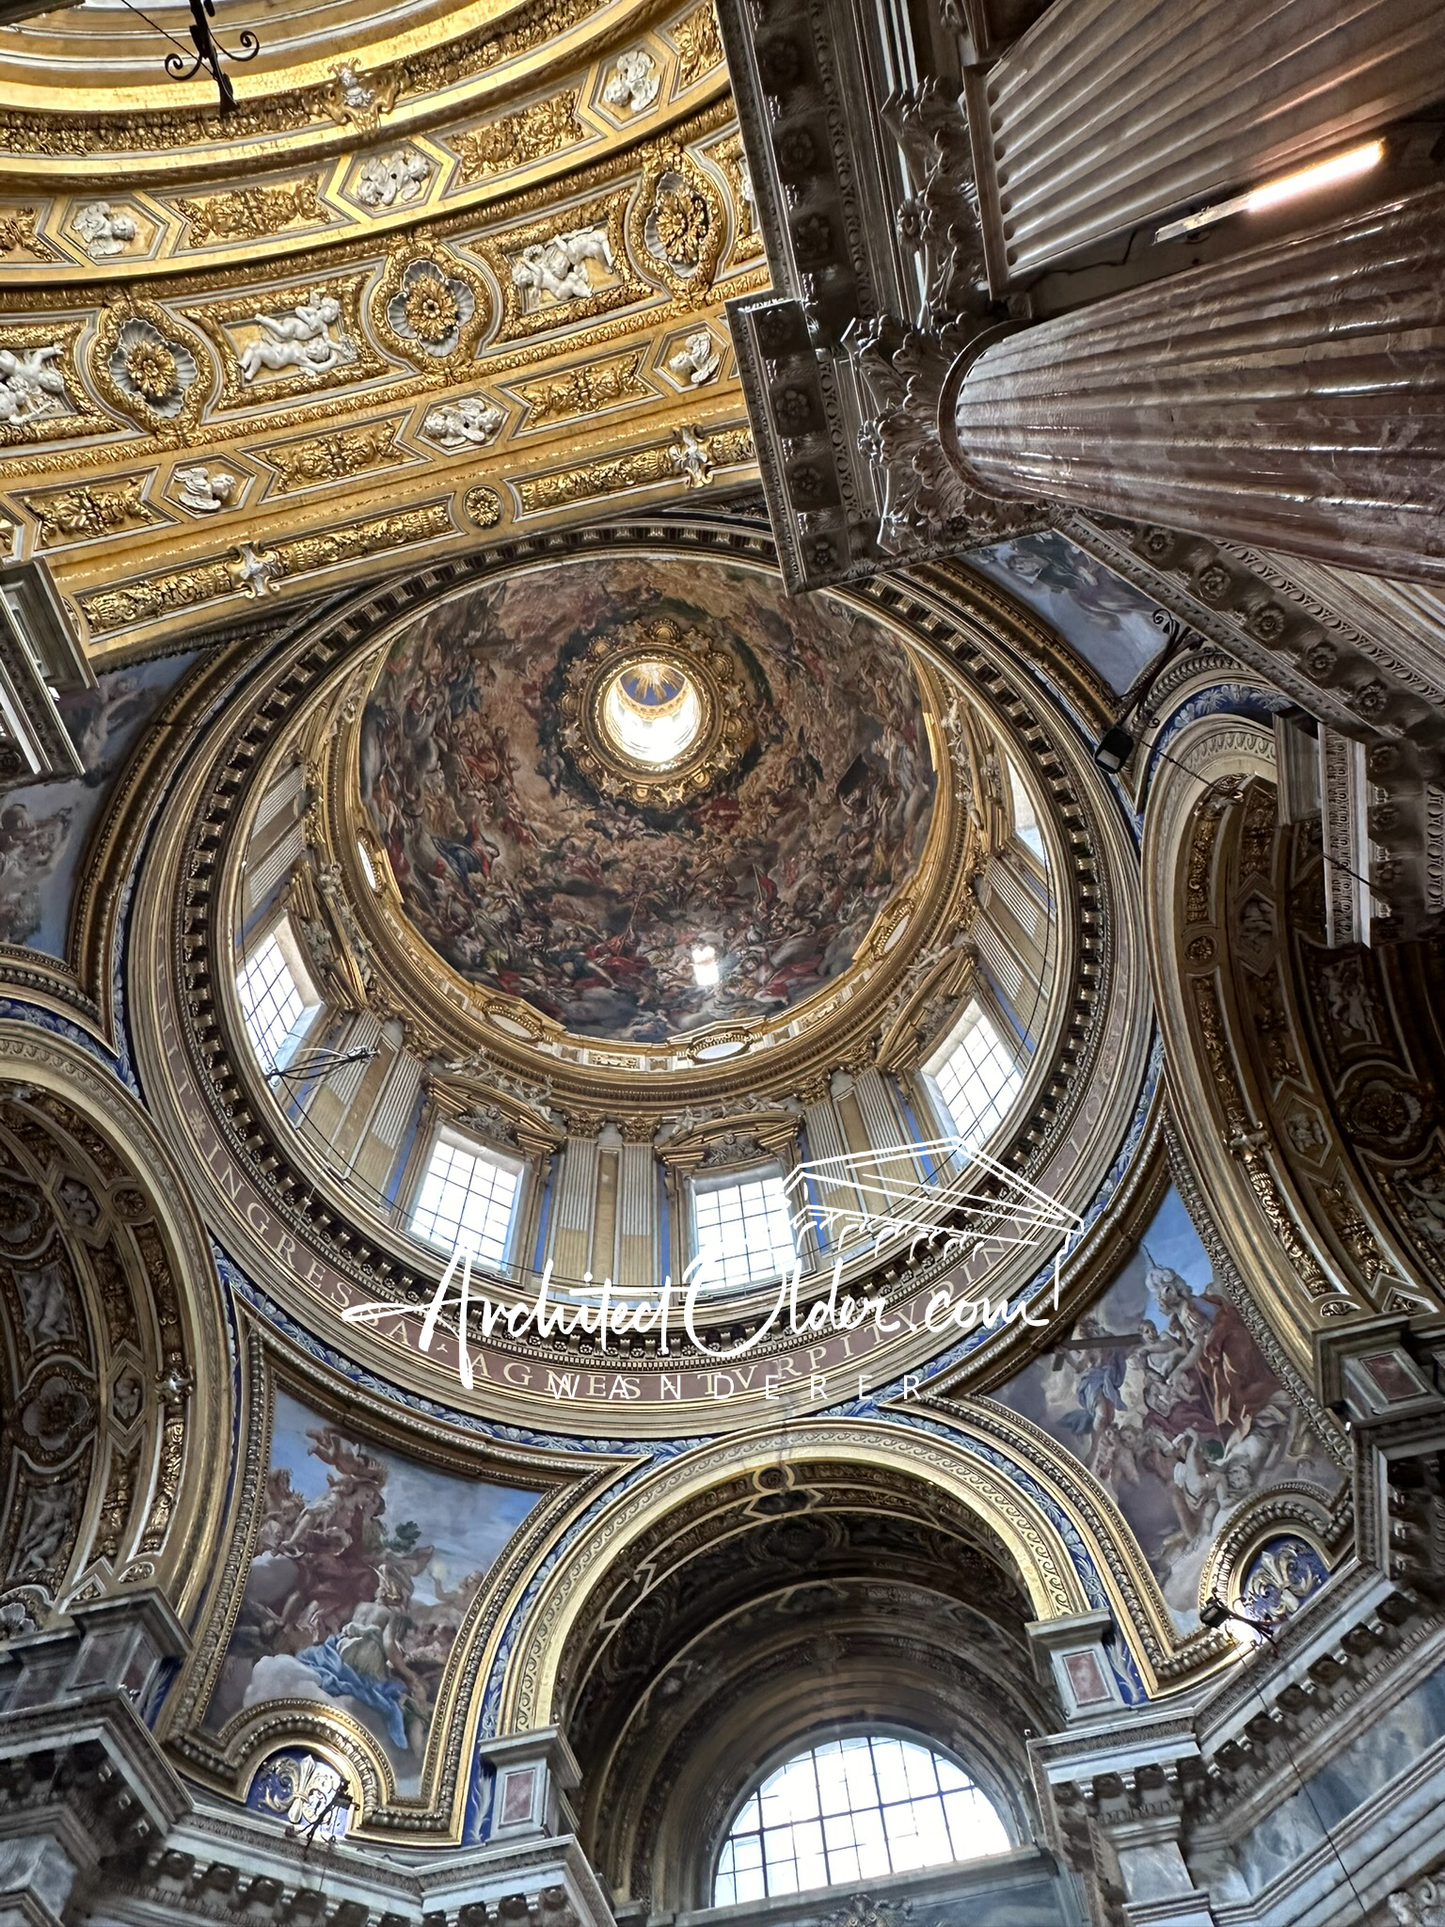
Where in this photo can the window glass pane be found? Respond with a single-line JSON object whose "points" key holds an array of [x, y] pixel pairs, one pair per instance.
{"points": [[979, 1077], [272, 1006], [832, 1781], [744, 1230], [1026, 822], [851, 1810], [920, 1770], [465, 1202]]}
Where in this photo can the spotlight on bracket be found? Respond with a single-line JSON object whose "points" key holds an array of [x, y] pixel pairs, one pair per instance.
{"points": [[1214, 1613], [1115, 747]]}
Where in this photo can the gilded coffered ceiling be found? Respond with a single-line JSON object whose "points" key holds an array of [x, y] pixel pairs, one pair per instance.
{"points": [[467, 279]]}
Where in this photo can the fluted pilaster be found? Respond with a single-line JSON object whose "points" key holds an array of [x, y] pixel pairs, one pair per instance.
{"points": [[1109, 113]]}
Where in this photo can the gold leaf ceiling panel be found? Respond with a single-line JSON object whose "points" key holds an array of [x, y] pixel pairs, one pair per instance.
{"points": [[516, 319], [75, 88]]}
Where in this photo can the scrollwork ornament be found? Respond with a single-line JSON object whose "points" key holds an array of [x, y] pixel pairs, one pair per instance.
{"points": [[150, 367], [677, 225], [430, 309]]}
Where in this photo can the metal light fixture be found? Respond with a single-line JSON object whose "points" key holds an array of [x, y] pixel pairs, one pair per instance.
{"points": [[209, 52], [1214, 1613], [307, 1064], [1285, 187], [1114, 749]]}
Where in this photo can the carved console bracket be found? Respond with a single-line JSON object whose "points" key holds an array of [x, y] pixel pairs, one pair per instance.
{"points": [[1383, 808]]}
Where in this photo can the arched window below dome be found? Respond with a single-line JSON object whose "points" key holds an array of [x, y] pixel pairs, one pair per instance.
{"points": [[975, 1076], [742, 1228], [279, 1002], [854, 1809]]}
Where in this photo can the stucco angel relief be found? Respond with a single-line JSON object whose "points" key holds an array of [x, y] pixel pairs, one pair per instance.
{"points": [[557, 270], [308, 338], [31, 384]]}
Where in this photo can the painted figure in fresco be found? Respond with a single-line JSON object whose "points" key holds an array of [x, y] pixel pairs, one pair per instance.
{"points": [[1053, 562], [524, 878], [1164, 1394], [346, 1602], [31, 848], [366, 1660]]}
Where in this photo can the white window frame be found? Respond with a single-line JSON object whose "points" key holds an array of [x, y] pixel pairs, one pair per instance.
{"points": [[445, 1133], [313, 1004], [986, 1120], [809, 1744], [708, 1184]]}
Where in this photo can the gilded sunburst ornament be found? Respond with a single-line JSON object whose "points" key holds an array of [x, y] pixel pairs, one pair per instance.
{"points": [[432, 310], [431, 307], [151, 367], [683, 225]]}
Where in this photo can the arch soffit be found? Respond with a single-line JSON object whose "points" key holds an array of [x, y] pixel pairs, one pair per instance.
{"points": [[1038, 1550], [1212, 762], [51, 1063]]}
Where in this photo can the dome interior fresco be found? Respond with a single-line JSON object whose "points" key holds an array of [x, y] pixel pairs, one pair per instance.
{"points": [[536, 862]]}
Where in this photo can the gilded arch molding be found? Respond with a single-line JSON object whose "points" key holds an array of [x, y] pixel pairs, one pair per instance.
{"points": [[1037, 1549], [1212, 761], [143, 1510]]}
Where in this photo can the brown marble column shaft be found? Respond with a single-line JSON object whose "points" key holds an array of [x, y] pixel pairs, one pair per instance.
{"points": [[1292, 397]]}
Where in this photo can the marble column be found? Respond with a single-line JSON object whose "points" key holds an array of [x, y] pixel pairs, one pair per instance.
{"points": [[1292, 396], [1110, 113]]}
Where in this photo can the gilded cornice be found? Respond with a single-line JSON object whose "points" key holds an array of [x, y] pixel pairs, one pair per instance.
{"points": [[62, 113]]}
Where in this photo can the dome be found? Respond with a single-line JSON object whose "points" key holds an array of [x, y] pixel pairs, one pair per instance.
{"points": [[586, 777]]}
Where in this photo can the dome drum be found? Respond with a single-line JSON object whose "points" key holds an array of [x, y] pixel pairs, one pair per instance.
{"points": [[611, 1140]]}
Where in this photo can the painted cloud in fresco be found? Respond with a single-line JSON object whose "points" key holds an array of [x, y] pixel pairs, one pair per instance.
{"points": [[44, 826], [1108, 621], [1165, 1396], [526, 880], [364, 1568]]}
